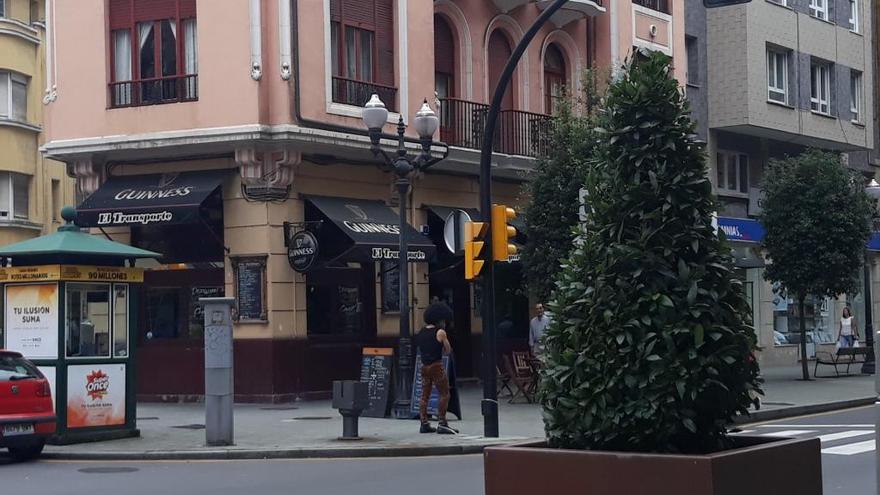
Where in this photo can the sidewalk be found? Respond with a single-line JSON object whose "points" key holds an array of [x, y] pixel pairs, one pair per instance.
{"points": [[310, 429]]}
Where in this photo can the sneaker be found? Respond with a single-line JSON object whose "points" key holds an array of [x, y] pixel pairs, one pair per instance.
{"points": [[427, 428], [445, 429]]}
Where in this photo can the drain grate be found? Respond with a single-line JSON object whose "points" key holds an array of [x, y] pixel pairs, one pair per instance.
{"points": [[776, 403], [108, 470], [190, 427], [148, 418], [311, 418], [279, 408]]}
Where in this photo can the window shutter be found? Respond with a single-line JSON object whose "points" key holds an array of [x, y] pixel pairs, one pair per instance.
{"points": [[120, 14], [187, 9], [444, 47], [385, 41], [499, 52], [154, 10], [336, 10], [361, 13]]}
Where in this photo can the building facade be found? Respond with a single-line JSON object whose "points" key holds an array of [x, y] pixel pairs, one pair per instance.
{"points": [[217, 133], [766, 80], [32, 189]]}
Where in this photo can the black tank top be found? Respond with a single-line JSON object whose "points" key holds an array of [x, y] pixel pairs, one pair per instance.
{"points": [[430, 349]]}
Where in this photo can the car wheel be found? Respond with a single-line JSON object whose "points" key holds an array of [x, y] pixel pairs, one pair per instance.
{"points": [[27, 452]]}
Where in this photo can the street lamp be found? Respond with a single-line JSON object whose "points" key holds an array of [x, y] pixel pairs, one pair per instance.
{"points": [[375, 115], [873, 190]]}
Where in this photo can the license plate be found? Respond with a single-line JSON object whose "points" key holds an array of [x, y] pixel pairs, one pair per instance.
{"points": [[18, 429]]}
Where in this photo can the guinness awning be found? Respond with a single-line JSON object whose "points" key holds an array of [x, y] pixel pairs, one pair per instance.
{"points": [[158, 199], [364, 230]]}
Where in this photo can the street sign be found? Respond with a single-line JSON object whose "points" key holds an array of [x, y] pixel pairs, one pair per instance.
{"points": [[453, 231]]}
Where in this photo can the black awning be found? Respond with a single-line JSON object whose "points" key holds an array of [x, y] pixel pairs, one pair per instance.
{"points": [[371, 228], [158, 199]]}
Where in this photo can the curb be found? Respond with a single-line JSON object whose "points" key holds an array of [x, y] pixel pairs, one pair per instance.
{"points": [[259, 454], [793, 411], [392, 451]]}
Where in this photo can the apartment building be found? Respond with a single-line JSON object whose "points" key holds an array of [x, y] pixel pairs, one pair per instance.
{"points": [[32, 190], [215, 131], [769, 79]]}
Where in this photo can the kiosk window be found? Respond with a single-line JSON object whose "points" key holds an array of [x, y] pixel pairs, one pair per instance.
{"points": [[87, 317], [120, 320]]}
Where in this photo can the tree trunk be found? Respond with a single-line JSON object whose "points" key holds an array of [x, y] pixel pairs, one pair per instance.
{"points": [[803, 324]]}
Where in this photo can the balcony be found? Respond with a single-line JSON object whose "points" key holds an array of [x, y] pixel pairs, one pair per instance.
{"points": [[154, 91], [518, 133], [658, 5], [358, 93]]}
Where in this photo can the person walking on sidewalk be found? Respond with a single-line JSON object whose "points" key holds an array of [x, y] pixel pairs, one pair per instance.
{"points": [[536, 329], [848, 332], [432, 343]]}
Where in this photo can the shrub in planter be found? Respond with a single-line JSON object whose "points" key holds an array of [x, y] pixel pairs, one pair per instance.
{"points": [[651, 347]]}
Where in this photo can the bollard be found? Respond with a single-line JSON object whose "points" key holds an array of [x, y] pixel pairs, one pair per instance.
{"points": [[350, 397], [218, 370]]}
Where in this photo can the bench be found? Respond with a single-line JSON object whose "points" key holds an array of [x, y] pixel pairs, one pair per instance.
{"points": [[843, 356]]}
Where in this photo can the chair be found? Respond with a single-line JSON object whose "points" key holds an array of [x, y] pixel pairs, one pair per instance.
{"points": [[521, 375], [503, 382]]}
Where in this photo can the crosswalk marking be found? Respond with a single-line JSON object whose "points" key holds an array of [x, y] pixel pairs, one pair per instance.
{"points": [[852, 448], [844, 434], [787, 433]]}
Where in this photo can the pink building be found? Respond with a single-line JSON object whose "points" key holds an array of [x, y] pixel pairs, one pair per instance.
{"points": [[213, 130]]}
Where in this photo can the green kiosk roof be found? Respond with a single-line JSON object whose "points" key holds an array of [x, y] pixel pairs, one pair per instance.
{"points": [[71, 245]]}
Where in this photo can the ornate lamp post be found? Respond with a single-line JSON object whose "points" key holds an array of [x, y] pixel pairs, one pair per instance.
{"points": [[375, 115]]}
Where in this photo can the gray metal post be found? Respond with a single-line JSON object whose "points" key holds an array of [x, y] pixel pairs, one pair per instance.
{"points": [[218, 370]]}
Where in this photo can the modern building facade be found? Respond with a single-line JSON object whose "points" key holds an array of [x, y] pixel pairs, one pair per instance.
{"points": [[766, 80], [218, 132], [32, 190]]}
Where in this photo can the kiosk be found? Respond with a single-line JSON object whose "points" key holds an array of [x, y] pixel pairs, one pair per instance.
{"points": [[70, 306]]}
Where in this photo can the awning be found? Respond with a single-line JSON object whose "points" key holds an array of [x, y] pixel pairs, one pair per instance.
{"points": [[158, 199], [369, 230]]}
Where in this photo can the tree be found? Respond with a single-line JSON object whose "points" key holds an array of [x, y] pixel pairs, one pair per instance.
{"points": [[817, 216], [650, 348], [551, 213]]}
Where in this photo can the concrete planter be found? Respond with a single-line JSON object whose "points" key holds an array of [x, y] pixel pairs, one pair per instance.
{"points": [[756, 466]]}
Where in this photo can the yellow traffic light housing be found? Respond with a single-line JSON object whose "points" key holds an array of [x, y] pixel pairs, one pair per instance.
{"points": [[502, 233], [473, 249]]}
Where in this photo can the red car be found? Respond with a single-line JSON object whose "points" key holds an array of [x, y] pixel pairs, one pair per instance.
{"points": [[27, 417]]}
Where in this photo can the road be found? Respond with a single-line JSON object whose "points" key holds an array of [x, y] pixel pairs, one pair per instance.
{"points": [[848, 464]]}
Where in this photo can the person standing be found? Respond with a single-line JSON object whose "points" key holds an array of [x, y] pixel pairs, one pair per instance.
{"points": [[536, 329], [848, 332], [432, 343]]}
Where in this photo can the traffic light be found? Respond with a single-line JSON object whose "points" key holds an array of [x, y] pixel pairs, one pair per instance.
{"points": [[473, 248], [722, 3], [502, 233]]}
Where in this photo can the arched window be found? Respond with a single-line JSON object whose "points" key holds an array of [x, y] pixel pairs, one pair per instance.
{"points": [[554, 78], [444, 58], [499, 53]]}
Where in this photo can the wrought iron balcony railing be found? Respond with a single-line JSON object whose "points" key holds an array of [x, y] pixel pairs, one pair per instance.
{"points": [[154, 91], [462, 124], [358, 93]]}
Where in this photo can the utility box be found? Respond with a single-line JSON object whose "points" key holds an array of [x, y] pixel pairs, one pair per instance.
{"points": [[219, 393]]}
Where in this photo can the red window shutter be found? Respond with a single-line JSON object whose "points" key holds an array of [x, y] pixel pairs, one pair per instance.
{"points": [[385, 42], [360, 13], [499, 53], [336, 10], [119, 14], [444, 47], [187, 9], [154, 10]]}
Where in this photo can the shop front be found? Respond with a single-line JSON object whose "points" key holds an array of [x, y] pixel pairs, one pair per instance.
{"points": [[181, 216]]}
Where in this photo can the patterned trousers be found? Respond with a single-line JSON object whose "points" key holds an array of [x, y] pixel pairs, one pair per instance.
{"points": [[433, 375]]}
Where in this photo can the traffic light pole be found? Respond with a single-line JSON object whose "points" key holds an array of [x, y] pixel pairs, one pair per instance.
{"points": [[490, 352]]}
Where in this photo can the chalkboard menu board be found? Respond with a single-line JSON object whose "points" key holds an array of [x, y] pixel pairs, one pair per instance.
{"points": [[434, 400], [390, 287], [250, 288], [376, 366]]}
